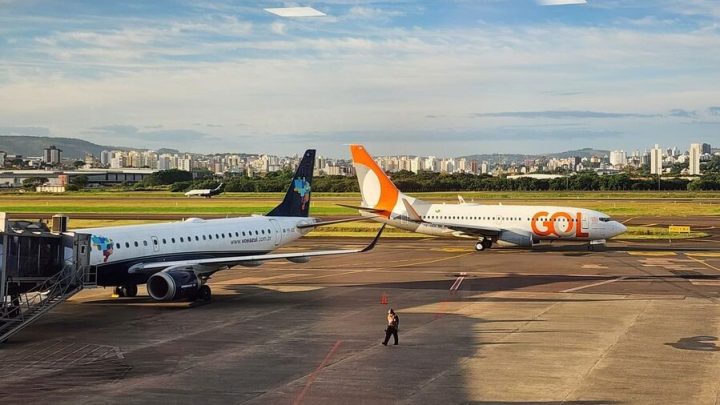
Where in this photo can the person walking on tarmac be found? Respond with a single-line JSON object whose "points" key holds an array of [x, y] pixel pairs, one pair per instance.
{"points": [[393, 321]]}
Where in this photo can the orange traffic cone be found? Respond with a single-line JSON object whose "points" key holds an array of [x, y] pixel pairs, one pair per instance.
{"points": [[383, 299]]}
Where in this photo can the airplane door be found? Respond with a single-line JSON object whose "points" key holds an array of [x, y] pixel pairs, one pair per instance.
{"points": [[277, 233], [155, 243], [585, 223]]}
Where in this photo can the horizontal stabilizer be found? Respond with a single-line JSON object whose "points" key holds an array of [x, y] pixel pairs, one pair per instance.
{"points": [[412, 214]]}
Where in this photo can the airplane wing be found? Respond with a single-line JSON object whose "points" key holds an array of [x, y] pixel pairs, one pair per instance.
{"points": [[335, 221], [471, 230], [357, 207], [212, 265]]}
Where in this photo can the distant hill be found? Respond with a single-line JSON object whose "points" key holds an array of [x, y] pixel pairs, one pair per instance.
{"points": [[514, 157], [72, 148], [34, 145]]}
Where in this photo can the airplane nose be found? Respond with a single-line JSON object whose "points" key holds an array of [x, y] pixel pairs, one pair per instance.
{"points": [[620, 228]]}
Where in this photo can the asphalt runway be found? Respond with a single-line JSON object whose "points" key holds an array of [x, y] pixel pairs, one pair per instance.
{"points": [[557, 324]]}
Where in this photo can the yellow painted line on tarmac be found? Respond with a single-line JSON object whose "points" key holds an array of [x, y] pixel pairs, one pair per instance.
{"points": [[704, 263], [433, 261], [703, 254], [628, 220], [652, 253], [390, 267], [582, 287], [452, 250]]}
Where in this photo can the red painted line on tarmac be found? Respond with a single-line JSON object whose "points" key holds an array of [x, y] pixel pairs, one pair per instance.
{"points": [[315, 373]]}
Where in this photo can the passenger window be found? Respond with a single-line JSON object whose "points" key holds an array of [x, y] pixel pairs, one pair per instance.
{"points": [[204, 237], [144, 243], [243, 233], [136, 244], [210, 237], [117, 245], [155, 242], [217, 236], [263, 231], [172, 240], [127, 244], [182, 240], [164, 242]]}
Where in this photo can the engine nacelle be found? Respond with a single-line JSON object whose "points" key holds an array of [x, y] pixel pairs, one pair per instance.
{"points": [[251, 263], [301, 259], [515, 239], [173, 285]]}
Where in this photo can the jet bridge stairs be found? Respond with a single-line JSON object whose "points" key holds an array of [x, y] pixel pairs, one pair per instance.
{"points": [[25, 308]]}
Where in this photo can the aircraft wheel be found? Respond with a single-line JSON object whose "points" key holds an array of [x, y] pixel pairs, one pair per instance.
{"points": [[487, 243], [131, 290], [204, 294], [119, 291], [480, 246]]}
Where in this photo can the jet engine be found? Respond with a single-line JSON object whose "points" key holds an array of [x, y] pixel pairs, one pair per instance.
{"points": [[173, 285], [515, 239], [301, 259]]}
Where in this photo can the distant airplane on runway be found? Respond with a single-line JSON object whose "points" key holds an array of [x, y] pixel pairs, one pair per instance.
{"points": [[504, 225], [207, 193], [176, 259]]}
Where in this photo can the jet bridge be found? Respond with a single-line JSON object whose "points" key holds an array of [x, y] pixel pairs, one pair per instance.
{"points": [[39, 269]]}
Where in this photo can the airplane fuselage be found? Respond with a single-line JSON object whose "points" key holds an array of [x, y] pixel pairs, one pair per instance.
{"points": [[114, 250], [543, 222]]}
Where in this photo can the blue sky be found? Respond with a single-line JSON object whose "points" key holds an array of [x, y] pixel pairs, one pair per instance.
{"points": [[405, 77]]}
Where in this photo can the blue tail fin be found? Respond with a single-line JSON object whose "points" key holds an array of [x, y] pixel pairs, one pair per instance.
{"points": [[297, 199]]}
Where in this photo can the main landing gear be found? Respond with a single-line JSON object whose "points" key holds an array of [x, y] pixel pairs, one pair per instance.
{"points": [[126, 290], [483, 244], [204, 294]]}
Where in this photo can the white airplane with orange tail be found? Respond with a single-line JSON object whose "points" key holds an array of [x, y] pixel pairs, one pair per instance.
{"points": [[504, 225]]}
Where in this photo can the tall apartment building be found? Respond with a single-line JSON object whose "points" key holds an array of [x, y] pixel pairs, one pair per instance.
{"points": [[695, 152], [656, 158], [52, 155]]}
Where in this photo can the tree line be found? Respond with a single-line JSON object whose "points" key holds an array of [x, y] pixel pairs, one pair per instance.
{"points": [[439, 182]]}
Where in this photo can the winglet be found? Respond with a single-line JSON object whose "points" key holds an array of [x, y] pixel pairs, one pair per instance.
{"points": [[411, 211], [374, 242]]}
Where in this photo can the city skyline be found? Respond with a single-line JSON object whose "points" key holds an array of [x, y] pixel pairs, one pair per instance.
{"points": [[500, 76], [657, 160]]}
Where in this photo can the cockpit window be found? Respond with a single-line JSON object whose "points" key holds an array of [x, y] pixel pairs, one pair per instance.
{"points": [[605, 219]]}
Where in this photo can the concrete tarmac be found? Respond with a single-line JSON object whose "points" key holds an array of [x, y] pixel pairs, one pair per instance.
{"points": [[632, 324]]}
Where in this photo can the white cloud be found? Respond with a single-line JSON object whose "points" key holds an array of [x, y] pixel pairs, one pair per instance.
{"points": [[374, 13], [278, 28], [325, 79]]}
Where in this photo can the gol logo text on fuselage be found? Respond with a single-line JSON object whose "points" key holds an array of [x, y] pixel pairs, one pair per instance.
{"points": [[561, 224]]}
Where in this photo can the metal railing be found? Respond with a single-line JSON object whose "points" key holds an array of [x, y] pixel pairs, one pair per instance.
{"points": [[26, 307]]}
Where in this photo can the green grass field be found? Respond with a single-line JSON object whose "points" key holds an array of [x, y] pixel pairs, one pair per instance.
{"points": [[625, 204]]}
